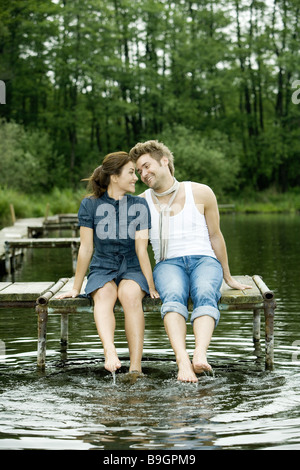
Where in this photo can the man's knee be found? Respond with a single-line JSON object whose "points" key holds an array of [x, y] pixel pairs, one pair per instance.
{"points": [[174, 308], [206, 310]]}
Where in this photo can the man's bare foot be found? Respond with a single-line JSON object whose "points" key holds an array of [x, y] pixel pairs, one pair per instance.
{"points": [[185, 370], [200, 363], [135, 370], [112, 362]]}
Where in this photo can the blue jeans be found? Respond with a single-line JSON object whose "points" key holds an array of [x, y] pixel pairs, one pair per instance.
{"points": [[198, 277]]}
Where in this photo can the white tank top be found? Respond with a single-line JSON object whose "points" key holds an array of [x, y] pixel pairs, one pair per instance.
{"points": [[188, 233]]}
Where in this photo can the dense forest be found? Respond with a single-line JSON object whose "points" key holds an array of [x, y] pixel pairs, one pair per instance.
{"points": [[218, 81]]}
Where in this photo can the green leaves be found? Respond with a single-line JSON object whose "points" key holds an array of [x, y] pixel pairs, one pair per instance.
{"points": [[98, 76], [28, 162]]}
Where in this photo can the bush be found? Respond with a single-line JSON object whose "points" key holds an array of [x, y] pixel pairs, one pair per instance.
{"points": [[210, 160], [34, 205], [28, 161]]}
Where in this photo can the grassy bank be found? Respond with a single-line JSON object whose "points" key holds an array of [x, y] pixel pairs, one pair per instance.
{"points": [[34, 205], [68, 201], [268, 201]]}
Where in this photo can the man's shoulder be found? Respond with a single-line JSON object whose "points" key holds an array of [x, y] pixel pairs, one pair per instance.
{"points": [[200, 188], [142, 195], [203, 194]]}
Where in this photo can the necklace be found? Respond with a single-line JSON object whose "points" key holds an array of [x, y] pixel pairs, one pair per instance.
{"points": [[164, 216]]}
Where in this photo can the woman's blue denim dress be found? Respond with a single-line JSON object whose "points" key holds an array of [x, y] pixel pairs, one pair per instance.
{"points": [[114, 223]]}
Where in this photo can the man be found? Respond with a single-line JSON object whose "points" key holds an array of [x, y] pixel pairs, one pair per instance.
{"points": [[190, 253]]}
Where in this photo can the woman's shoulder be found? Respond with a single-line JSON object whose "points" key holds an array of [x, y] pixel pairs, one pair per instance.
{"points": [[91, 200], [90, 203]]}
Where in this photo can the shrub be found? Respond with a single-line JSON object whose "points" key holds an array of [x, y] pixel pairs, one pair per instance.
{"points": [[211, 160]]}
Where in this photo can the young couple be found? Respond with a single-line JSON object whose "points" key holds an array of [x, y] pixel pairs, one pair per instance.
{"points": [[182, 221]]}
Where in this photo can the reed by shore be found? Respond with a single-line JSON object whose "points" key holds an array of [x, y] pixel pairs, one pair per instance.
{"points": [[68, 201]]}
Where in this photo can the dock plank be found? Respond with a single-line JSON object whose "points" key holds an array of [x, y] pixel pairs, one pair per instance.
{"points": [[3, 285], [229, 296], [20, 291], [43, 242], [246, 296], [24, 291], [69, 302]]}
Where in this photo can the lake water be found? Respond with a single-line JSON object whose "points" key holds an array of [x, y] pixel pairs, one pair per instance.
{"points": [[76, 404]]}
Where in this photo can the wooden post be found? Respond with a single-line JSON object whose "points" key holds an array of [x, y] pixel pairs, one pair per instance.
{"points": [[12, 213], [269, 333], [256, 325], [46, 212], [42, 311], [64, 320], [8, 266], [269, 310]]}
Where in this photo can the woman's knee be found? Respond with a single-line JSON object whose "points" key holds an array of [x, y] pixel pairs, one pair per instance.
{"points": [[130, 293], [107, 292]]}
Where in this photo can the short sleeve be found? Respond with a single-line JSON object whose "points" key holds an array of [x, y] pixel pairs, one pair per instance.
{"points": [[144, 219], [85, 214]]}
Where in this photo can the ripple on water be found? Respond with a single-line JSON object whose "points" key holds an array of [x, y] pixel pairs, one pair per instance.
{"points": [[78, 405]]}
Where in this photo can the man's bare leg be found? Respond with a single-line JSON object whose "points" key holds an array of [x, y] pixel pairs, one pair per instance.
{"points": [[175, 326], [203, 331], [104, 301]]}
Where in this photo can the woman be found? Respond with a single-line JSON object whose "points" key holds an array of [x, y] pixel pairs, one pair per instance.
{"points": [[114, 230]]}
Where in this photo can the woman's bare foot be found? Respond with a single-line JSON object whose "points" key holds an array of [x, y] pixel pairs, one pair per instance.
{"points": [[200, 363], [112, 362], [185, 370]]}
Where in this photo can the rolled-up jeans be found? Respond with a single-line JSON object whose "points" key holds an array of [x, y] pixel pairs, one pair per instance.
{"points": [[198, 277]]}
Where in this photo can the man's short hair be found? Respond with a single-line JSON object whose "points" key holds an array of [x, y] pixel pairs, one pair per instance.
{"points": [[156, 150]]}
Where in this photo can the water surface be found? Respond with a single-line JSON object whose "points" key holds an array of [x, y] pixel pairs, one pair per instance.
{"points": [[75, 403]]}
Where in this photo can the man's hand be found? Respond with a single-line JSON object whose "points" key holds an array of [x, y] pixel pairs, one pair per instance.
{"points": [[231, 282]]}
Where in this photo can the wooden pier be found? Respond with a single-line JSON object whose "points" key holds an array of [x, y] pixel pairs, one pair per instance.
{"points": [[11, 247], [41, 296], [33, 233]]}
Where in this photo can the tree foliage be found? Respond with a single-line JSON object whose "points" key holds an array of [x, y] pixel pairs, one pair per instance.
{"points": [[100, 75], [28, 162]]}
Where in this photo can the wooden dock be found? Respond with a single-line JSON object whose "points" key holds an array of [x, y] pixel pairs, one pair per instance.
{"points": [[42, 297], [30, 233], [12, 246]]}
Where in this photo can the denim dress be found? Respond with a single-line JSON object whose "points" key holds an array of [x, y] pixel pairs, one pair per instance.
{"points": [[114, 223]]}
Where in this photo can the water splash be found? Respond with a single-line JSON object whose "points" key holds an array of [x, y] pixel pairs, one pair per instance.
{"points": [[114, 377]]}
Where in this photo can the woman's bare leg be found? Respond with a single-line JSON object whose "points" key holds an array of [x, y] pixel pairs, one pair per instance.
{"points": [[104, 301], [130, 295]]}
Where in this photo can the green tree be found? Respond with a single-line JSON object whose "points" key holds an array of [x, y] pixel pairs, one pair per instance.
{"points": [[28, 161]]}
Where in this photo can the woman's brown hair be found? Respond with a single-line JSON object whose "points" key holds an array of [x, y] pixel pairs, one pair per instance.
{"points": [[111, 165]]}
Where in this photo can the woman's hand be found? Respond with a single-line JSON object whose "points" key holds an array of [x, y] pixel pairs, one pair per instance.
{"points": [[153, 293], [72, 293]]}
